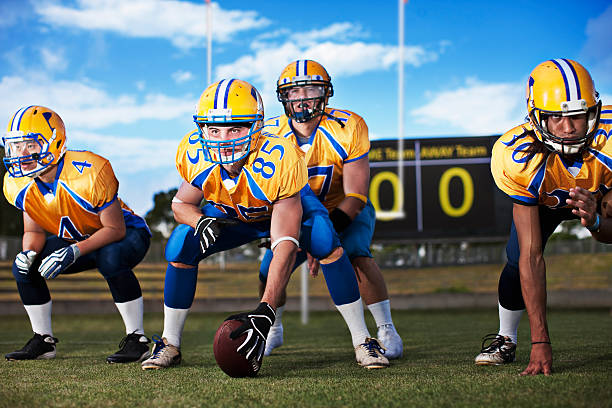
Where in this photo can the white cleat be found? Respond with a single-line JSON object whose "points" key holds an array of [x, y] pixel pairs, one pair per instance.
{"points": [[370, 354], [391, 341], [500, 350], [274, 340]]}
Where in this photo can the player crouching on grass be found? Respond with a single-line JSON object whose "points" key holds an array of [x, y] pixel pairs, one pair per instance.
{"points": [[555, 167], [336, 145], [72, 195], [252, 182]]}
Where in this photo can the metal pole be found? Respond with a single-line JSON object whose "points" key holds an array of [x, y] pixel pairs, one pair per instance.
{"points": [[304, 292], [208, 42], [400, 103]]}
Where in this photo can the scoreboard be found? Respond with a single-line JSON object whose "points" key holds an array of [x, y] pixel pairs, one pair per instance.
{"points": [[447, 190]]}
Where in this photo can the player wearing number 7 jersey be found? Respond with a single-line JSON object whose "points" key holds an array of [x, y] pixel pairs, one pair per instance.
{"points": [[252, 182], [336, 145], [72, 195]]}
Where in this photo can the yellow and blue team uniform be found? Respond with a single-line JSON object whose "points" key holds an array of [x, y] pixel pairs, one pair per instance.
{"points": [[332, 144], [545, 180], [274, 170], [69, 209]]}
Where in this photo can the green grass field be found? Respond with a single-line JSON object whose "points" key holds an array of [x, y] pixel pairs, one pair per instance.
{"points": [[316, 366]]}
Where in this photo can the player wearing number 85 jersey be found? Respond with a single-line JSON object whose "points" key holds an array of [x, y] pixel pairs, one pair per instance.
{"points": [[252, 182], [73, 196]]}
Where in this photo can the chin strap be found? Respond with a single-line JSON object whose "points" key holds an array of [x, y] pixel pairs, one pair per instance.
{"points": [[334, 118]]}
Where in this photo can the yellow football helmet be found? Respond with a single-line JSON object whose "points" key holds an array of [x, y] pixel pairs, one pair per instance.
{"points": [[317, 85], [229, 101], [35, 134], [562, 87]]}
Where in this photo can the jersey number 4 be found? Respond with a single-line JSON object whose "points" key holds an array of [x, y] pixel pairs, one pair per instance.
{"points": [[68, 231]]}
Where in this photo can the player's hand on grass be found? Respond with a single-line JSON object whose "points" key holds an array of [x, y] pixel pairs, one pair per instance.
{"points": [[24, 260], [58, 261], [585, 205], [540, 360], [208, 230], [256, 326]]}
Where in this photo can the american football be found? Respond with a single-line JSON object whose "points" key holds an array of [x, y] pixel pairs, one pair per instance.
{"points": [[228, 359]]}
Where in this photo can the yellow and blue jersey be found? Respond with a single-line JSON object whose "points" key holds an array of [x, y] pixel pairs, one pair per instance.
{"points": [[84, 185], [538, 180], [327, 150], [274, 170]]}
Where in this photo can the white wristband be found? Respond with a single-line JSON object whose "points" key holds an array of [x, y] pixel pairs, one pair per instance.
{"points": [[176, 200], [281, 239]]}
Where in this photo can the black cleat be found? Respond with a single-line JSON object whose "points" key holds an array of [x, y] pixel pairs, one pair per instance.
{"points": [[38, 347], [133, 347]]}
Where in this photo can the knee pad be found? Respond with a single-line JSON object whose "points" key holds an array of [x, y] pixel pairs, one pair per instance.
{"points": [[323, 237], [509, 289], [183, 246], [22, 277]]}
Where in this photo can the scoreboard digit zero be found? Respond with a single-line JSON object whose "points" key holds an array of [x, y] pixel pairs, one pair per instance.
{"points": [[448, 190]]}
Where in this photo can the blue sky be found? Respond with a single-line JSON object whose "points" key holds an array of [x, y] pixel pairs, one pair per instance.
{"points": [[125, 75]]}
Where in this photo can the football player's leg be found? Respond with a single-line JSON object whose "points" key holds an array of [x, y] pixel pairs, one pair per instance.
{"points": [[275, 336], [115, 262], [36, 300], [500, 348], [356, 242]]}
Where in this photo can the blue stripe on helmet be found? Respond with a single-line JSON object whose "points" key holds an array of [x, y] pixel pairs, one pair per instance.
{"points": [[567, 91], [575, 77], [254, 93]]}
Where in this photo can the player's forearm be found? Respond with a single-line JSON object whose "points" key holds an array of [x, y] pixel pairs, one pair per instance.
{"points": [[533, 286], [185, 213], [351, 206], [33, 240], [279, 273], [102, 237]]}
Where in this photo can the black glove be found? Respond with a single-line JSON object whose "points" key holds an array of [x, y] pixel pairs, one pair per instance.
{"points": [[256, 326], [208, 230]]}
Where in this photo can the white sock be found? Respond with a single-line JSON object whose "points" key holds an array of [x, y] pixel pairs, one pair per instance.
{"points": [[174, 321], [131, 313], [353, 316], [40, 318], [381, 311], [509, 321], [279, 316]]}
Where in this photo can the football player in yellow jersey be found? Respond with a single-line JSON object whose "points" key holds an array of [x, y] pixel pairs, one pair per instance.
{"points": [[72, 195], [555, 167], [252, 182], [336, 145]]}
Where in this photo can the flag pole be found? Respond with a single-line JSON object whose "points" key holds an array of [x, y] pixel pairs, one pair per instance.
{"points": [[400, 106], [208, 42]]}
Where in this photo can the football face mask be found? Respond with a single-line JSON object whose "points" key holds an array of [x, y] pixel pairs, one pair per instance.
{"points": [[231, 104], [26, 155], [303, 103]]}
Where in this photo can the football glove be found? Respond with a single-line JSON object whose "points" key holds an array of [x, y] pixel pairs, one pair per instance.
{"points": [[256, 326], [58, 261], [24, 260], [208, 230]]}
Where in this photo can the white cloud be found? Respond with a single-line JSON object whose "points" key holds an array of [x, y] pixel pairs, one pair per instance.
{"points": [[85, 106], [181, 76], [53, 60], [336, 31], [141, 85], [180, 22], [476, 108], [339, 59]]}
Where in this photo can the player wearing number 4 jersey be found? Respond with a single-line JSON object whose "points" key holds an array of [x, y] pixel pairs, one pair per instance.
{"points": [[72, 195], [252, 182], [336, 145], [555, 167]]}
